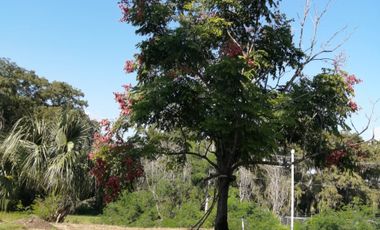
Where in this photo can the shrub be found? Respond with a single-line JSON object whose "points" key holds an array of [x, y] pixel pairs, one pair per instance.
{"points": [[52, 208], [46, 208], [132, 209], [350, 217]]}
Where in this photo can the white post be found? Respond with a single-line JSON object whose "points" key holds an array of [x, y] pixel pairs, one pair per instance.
{"points": [[292, 192], [242, 223], [206, 205], [207, 199]]}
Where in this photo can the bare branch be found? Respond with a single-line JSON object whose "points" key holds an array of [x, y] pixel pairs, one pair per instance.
{"points": [[369, 120], [194, 154], [236, 43], [373, 135], [354, 127], [314, 57], [317, 21], [328, 42], [212, 176], [208, 148], [296, 74], [303, 21]]}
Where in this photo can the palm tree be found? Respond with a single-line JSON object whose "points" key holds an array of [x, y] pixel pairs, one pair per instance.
{"points": [[50, 156]]}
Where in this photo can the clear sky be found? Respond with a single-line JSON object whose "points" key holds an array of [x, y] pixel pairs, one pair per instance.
{"points": [[83, 43]]}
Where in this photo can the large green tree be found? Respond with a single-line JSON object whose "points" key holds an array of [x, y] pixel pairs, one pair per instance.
{"points": [[227, 72], [23, 92]]}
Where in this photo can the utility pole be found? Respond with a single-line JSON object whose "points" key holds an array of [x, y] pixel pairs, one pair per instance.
{"points": [[292, 191]]}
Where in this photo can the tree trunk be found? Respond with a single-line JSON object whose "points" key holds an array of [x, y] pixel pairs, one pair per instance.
{"points": [[61, 214], [221, 213]]}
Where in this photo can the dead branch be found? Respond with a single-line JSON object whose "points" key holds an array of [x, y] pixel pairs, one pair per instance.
{"points": [[369, 121], [317, 21], [326, 48], [303, 21]]}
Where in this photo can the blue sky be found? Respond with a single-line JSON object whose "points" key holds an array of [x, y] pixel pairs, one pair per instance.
{"points": [[83, 43]]}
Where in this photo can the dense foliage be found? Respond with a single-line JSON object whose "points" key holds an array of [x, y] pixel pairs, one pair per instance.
{"points": [[22, 92], [350, 217], [335, 186], [170, 195], [175, 197]]}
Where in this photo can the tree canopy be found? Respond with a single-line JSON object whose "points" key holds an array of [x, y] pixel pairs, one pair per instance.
{"points": [[22, 92]]}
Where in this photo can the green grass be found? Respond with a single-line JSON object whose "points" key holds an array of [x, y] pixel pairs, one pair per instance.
{"points": [[83, 219], [12, 216], [7, 226], [7, 219]]}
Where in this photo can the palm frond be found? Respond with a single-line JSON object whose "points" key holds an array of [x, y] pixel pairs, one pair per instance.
{"points": [[49, 155]]}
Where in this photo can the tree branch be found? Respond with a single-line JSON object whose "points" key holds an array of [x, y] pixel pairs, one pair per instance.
{"points": [[315, 56], [317, 21], [303, 21], [369, 120], [195, 154]]}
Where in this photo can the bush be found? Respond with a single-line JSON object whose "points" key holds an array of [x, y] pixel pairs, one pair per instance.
{"points": [[52, 208], [46, 208], [132, 209], [350, 217], [188, 214]]}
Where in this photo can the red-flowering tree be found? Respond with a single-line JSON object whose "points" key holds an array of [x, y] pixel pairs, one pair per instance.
{"points": [[218, 70], [116, 159]]}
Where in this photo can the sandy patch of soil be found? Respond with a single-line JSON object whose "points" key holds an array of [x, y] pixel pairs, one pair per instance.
{"points": [[34, 223]]}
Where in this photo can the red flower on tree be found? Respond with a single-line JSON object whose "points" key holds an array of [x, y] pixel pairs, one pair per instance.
{"points": [[124, 101], [127, 87], [105, 123], [99, 170], [335, 157], [125, 10], [251, 63], [350, 80], [231, 49], [115, 167], [353, 105], [129, 66]]}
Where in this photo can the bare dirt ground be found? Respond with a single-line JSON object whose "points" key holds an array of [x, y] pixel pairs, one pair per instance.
{"points": [[35, 223], [104, 227]]}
